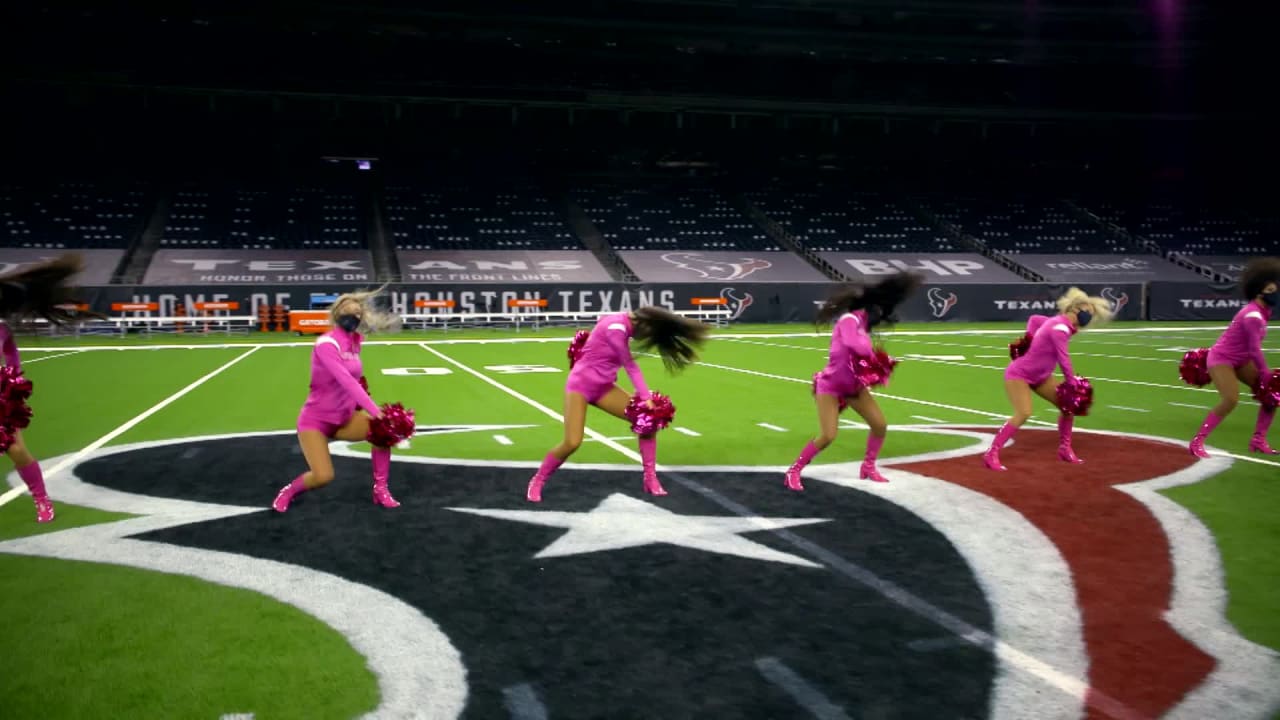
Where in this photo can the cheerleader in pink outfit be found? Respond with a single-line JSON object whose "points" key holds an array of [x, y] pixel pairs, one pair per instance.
{"points": [[593, 381], [1237, 355], [337, 406], [856, 312], [36, 291], [1033, 372]]}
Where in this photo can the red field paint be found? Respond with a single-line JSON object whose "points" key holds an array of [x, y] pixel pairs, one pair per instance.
{"points": [[1118, 554]]}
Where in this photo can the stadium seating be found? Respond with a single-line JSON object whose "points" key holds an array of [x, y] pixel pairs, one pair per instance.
{"points": [[264, 219], [828, 219], [1190, 228], [669, 218], [1026, 226], [459, 217], [72, 215]]}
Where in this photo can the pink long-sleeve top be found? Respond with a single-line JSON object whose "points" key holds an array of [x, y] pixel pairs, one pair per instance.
{"points": [[335, 369], [1050, 337], [606, 350], [9, 348], [1242, 340], [849, 339]]}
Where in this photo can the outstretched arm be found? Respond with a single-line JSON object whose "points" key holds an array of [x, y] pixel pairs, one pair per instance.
{"points": [[331, 360], [1061, 337], [616, 335]]}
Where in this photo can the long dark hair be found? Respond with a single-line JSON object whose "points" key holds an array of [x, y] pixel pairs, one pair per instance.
{"points": [[1258, 273], [675, 337], [879, 300], [40, 291]]}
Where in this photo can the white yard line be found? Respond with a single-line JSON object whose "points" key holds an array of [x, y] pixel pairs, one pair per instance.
{"points": [[503, 440], [71, 460], [774, 428], [50, 357], [1130, 409], [686, 431]]}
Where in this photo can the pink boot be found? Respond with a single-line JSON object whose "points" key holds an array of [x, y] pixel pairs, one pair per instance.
{"points": [[1259, 445], [550, 464], [869, 472], [287, 494], [1197, 443], [1259, 442], [381, 473], [34, 479], [792, 479], [1065, 453], [992, 457], [649, 457]]}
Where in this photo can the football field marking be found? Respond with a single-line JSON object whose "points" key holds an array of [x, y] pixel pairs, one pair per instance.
{"points": [[686, 431], [51, 357], [774, 428], [1188, 405], [503, 440], [1011, 656], [808, 696], [928, 419], [71, 460], [1130, 409]]}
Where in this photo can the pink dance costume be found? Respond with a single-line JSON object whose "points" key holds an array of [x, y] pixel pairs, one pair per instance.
{"points": [[335, 391], [29, 473], [1239, 345], [594, 374], [849, 340], [1050, 337]]}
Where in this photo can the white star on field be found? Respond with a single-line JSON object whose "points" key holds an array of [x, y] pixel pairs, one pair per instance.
{"points": [[621, 521]]}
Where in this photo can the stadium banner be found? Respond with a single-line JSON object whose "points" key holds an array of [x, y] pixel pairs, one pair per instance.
{"points": [[747, 302], [273, 267], [691, 266], [1229, 265], [939, 268], [99, 265], [500, 266], [1077, 268], [1194, 301]]}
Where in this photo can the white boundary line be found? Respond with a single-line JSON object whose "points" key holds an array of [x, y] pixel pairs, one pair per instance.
{"points": [[51, 357], [72, 459]]}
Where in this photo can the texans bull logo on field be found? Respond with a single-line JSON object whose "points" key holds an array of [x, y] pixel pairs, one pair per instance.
{"points": [[712, 269], [940, 594]]}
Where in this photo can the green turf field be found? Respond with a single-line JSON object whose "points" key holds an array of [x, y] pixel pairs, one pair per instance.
{"points": [[107, 635]]}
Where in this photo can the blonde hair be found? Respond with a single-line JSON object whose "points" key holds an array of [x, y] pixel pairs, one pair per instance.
{"points": [[1075, 299], [372, 318]]}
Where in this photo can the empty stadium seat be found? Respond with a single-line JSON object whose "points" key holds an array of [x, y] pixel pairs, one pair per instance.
{"points": [[829, 219], [1026, 226], [72, 215], [302, 218], [462, 217], [1191, 228], [669, 218]]}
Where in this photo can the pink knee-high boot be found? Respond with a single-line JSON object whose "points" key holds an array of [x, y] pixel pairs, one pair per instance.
{"points": [[381, 473], [550, 464], [992, 457], [868, 470], [34, 478], [1258, 443], [1197, 443], [1065, 453], [792, 479], [288, 493], [649, 457]]}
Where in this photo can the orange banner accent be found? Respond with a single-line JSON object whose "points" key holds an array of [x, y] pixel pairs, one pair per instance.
{"points": [[135, 307], [225, 305], [434, 303], [538, 302], [709, 301], [309, 321]]}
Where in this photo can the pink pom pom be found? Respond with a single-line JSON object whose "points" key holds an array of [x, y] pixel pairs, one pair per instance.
{"points": [[1075, 396], [1195, 367], [647, 420], [1020, 348], [17, 417], [873, 370], [1268, 391], [6, 439], [13, 386], [394, 425], [576, 345]]}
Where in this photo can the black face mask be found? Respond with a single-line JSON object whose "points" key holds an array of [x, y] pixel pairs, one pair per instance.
{"points": [[1272, 298], [349, 322]]}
